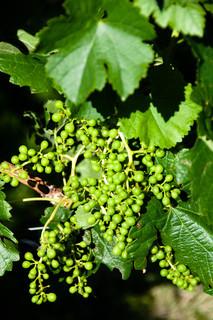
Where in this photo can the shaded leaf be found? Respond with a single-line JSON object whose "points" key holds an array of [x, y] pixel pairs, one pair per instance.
{"points": [[61, 215], [82, 217], [4, 208], [103, 254], [8, 255], [145, 233], [192, 241]]}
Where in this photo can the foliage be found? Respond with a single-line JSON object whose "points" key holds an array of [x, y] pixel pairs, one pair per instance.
{"points": [[128, 180]]}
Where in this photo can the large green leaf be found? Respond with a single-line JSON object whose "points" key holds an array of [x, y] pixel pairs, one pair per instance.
{"points": [[103, 254], [24, 70], [98, 41], [152, 129], [192, 241]]}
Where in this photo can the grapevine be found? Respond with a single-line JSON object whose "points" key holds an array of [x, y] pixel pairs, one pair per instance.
{"points": [[128, 174], [117, 164]]}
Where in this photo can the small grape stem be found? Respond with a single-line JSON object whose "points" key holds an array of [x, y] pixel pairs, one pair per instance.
{"points": [[40, 199], [171, 265], [75, 159], [51, 217], [129, 151]]}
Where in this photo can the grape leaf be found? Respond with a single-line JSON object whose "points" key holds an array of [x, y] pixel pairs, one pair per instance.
{"points": [[103, 254], [147, 7], [4, 208], [28, 40], [24, 70], [85, 170], [8, 255], [89, 54], [187, 17], [192, 241], [151, 128], [85, 111], [204, 88], [8, 243], [61, 215], [145, 233], [197, 168], [82, 217]]}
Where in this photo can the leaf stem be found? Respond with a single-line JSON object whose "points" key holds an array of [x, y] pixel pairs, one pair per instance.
{"points": [[51, 217], [128, 150]]}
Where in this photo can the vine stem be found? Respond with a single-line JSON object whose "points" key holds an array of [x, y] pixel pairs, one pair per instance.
{"points": [[129, 151]]}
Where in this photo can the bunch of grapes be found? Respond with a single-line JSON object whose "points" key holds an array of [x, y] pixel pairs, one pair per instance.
{"points": [[62, 251], [177, 272], [125, 175]]}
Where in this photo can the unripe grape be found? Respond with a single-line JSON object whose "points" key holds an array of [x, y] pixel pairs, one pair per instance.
{"points": [[69, 127], [181, 268], [15, 159], [160, 255], [160, 153], [72, 289], [31, 152], [56, 117], [22, 156], [138, 176], [28, 256], [116, 251], [88, 289], [51, 297], [23, 149], [164, 272], [169, 178], [82, 244], [44, 145], [154, 250], [26, 264], [88, 265], [51, 253], [166, 201], [167, 249], [23, 175], [91, 219], [59, 104]]}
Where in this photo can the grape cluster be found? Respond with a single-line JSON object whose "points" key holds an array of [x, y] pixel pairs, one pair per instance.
{"points": [[63, 252], [177, 272], [124, 176]]}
